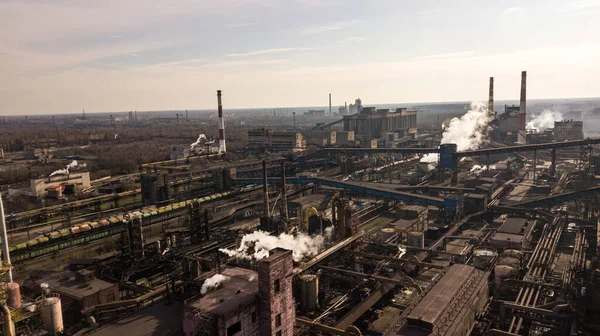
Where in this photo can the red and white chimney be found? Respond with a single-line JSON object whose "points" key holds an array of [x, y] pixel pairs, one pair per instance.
{"points": [[522, 136], [222, 147]]}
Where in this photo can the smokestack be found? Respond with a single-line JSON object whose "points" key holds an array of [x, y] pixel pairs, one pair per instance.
{"points": [[522, 138], [83, 114], [346, 107], [186, 116], [491, 101], [294, 114], [5, 254], [284, 205], [330, 104], [267, 213], [222, 148]]}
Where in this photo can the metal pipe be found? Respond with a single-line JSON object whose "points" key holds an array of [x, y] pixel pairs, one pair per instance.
{"points": [[5, 253], [9, 327], [265, 190], [222, 147], [284, 203]]}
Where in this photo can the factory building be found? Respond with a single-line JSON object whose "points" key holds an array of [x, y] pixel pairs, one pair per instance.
{"points": [[451, 306], [315, 113], [568, 130], [377, 123], [247, 302], [507, 125], [72, 183], [276, 140]]}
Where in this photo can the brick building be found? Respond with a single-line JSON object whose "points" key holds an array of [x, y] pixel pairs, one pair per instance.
{"points": [[247, 303]]}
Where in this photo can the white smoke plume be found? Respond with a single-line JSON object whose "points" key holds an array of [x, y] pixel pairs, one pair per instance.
{"points": [[401, 251], [212, 282], [200, 138], [544, 120], [256, 245], [116, 135], [478, 168], [65, 171], [467, 132]]}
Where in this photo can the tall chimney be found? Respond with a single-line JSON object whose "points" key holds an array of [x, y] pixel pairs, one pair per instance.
{"points": [[284, 205], [491, 101], [346, 108], [294, 114], [522, 138], [267, 213], [222, 148], [330, 104], [5, 254]]}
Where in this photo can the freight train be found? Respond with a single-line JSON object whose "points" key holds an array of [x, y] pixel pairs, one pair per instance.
{"points": [[90, 231]]}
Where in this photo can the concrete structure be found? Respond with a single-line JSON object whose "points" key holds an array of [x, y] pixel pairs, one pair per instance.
{"points": [[276, 140], [33, 153], [315, 113], [568, 130], [491, 96], [78, 290], [344, 138], [72, 183], [247, 302], [507, 124], [377, 123], [514, 233], [522, 137], [276, 299], [451, 305]]}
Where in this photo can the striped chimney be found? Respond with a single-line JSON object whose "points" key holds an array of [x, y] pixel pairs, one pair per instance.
{"points": [[222, 147]]}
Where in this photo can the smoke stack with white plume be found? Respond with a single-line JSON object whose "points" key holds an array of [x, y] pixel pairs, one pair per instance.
{"points": [[256, 245], [222, 147], [544, 120], [66, 171], [467, 132]]}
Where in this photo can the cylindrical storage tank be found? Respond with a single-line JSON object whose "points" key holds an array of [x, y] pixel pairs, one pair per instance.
{"points": [[507, 261], [14, 295], [482, 258], [416, 239], [309, 292], [502, 272], [51, 313], [386, 234], [512, 254]]}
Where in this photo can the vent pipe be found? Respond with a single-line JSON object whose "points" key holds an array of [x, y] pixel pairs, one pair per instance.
{"points": [[267, 213], [5, 254]]}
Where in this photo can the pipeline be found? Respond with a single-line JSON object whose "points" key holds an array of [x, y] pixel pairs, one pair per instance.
{"points": [[9, 327]]}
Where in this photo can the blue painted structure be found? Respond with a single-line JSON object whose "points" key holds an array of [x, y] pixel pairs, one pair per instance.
{"points": [[358, 187]]}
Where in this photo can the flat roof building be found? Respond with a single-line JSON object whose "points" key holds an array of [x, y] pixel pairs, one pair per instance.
{"points": [[377, 123]]}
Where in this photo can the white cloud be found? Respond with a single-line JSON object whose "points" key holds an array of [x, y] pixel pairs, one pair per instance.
{"points": [[268, 51], [514, 11], [447, 55], [352, 39], [328, 27], [135, 55], [241, 25]]}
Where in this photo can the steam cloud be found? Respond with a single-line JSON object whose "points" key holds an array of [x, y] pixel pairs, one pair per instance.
{"points": [[256, 245], [65, 171], [544, 120], [478, 168], [198, 141], [212, 282], [467, 132]]}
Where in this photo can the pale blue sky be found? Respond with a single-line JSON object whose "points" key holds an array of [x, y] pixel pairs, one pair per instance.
{"points": [[109, 55]]}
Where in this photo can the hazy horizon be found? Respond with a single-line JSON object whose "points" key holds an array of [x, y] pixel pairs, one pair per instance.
{"points": [[61, 56]]}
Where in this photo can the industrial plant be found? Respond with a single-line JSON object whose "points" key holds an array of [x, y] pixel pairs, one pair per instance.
{"points": [[305, 221]]}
